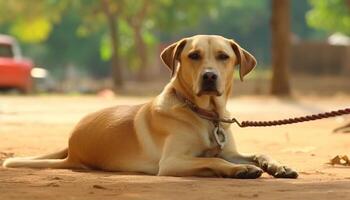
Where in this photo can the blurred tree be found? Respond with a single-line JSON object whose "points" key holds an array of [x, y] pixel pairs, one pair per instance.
{"points": [[102, 18], [136, 17], [253, 34], [141, 20], [299, 25], [48, 32], [146, 18], [62, 33], [112, 10], [131, 25], [330, 15], [68, 46], [31, 22], [238, 20], [280, 26]]}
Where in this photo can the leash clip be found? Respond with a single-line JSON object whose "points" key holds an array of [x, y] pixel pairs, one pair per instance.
{"points": [[220, 136]]}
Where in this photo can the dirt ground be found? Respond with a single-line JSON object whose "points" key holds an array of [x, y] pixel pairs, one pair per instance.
{"points": [[39, 125]]}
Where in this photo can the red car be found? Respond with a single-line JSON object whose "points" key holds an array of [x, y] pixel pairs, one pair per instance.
{"points": [[15, 72]]}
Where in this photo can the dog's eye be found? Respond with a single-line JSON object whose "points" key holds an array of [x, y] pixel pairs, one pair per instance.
{"points": [[223, 56], [194, 56]]}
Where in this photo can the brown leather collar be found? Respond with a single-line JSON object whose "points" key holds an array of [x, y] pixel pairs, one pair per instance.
{"points": [[218, 133], [203, 113]]}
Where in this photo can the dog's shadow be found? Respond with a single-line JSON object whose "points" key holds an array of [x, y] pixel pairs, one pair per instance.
{"points": [[138, 174]]}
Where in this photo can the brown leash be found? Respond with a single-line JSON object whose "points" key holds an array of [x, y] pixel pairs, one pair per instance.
{"points": [[214, 117], [294, 120]]}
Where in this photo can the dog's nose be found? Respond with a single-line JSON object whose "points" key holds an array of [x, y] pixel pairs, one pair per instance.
{"points": [[210, 76], [209, 81]]}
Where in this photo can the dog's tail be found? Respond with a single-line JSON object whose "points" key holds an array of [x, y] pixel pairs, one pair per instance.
{"points": [[54, 160], [56, 155]]}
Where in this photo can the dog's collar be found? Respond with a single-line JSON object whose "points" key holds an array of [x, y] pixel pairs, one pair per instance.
{"points": [[218, 132], [203, 113]]}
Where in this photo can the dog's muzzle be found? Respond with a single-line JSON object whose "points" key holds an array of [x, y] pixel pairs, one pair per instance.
{"points": [[209, 81]]}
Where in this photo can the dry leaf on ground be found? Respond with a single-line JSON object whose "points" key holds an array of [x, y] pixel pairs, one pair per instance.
{"points": [[340, 160]]}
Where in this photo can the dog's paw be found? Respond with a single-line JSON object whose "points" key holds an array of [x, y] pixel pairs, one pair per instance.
{"points": [[285, 172], [274, 168], [248, 172]]}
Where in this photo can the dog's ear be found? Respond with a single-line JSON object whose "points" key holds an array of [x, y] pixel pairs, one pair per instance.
{"points": [[171, 54], [246, 61]]}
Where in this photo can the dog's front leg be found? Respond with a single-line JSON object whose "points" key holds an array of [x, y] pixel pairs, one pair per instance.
{"points": [[207, 167], [179, 159], [266, 163]]}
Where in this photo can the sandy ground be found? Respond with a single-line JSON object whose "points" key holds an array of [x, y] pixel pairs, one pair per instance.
{"points": [[37, 125]]}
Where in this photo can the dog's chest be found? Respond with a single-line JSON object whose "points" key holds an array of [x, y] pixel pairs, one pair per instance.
{"points": [[214, 141]]}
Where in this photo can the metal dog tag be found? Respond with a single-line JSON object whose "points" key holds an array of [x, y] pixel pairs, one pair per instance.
{"points": [[220, 136]]}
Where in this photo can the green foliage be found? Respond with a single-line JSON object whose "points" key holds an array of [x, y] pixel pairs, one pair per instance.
{"points": [[248, 22], [31, 20], [58, 33], [173, 15], [330, 15], [65, 47], [33, 31], [245, 21]]}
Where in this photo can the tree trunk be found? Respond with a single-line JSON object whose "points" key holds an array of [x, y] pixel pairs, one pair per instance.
{"points": [[136, 23], [280, 25], [112, 20], [141, 49]]}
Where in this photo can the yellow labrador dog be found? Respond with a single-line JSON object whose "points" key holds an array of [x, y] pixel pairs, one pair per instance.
{"points": [[170, 136]]}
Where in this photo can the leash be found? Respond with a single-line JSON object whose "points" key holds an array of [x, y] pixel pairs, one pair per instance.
{"points": [[294, 120], [214, 117]]}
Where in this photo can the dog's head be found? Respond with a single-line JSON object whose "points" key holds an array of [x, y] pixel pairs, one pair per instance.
{"points": [[205, 63]]}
